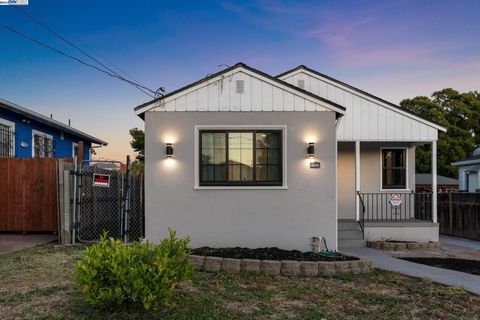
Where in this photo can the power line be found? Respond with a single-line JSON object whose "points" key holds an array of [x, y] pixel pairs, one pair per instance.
{"points": [[72, 57], [106, 61], [40, 23]]}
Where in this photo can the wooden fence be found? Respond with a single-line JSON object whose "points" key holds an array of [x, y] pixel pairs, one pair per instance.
{"points": [[28, 194], [459, 214]]}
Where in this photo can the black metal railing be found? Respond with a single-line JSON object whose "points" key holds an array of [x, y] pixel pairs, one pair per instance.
{"points": [[7, 142], [361, 220], [395, 206]]}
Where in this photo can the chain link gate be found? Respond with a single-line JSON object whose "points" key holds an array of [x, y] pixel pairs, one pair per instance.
{"points": [[114, 204]]}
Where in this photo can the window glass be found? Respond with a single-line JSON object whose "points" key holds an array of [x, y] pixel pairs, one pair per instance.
{"points": [[240, 158], [75, 150], [42, 146], [6, 141], [394, 171]]}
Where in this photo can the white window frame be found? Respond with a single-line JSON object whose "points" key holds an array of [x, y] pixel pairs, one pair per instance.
{"points": [[198, 128], [40, 133], [10, 124], [406, 170], [74, 144]]}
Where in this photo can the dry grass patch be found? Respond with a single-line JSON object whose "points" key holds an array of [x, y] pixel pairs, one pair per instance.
{"points": [[37, 284]]}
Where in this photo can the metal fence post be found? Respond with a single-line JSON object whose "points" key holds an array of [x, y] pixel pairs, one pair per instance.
{"points": [[450, 212], [126, 201], [67, 221], [74, 225]]}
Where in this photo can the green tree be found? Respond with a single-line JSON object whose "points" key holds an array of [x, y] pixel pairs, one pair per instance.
{"points": [[138, 145], [460, 113]]}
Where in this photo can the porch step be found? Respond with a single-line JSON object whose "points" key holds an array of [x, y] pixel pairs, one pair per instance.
{"points": [[344, 224], [350, 234], [352, 243], [348, 225]]}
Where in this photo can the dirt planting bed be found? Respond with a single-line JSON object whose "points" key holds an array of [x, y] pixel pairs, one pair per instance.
{"points": [[268, 254], [463, 265]]}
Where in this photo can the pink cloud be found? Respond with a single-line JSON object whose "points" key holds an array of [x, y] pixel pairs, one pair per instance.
{"points": [[339, 32]]}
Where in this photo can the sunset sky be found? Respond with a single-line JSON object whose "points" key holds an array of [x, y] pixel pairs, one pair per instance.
{"points": [[393, 49]]}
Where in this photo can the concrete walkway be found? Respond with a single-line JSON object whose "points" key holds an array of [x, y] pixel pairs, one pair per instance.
{"points": [[11, 242], [459, 242], [382, 260]]}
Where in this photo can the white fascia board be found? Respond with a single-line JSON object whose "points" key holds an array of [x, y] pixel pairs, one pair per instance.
{"points": [[355, 92], [465, 163]]}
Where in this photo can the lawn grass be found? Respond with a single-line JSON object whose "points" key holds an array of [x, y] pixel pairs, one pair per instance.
{"points": [[37, 284]]}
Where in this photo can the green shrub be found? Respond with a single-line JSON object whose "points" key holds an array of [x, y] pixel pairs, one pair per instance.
{"points": [[112, 273]]}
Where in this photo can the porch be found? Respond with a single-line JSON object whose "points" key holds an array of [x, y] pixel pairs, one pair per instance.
{"points": [[376, 194], [408, 217]]}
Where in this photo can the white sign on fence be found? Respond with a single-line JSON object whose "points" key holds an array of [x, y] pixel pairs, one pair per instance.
{"points": [[396, 199]]}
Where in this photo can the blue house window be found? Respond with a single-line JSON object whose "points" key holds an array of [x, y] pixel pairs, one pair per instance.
{"points": [[7, 139], [42, 145]]}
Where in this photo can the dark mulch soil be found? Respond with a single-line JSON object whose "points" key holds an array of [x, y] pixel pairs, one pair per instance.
{"points": [[463, 265], [266, 254]]}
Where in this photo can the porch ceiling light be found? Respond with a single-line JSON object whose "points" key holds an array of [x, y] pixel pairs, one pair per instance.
{"points": [[168, 150], [311, 150]]}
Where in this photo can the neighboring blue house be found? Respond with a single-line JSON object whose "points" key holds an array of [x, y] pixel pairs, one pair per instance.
{"points": [[26, 134], [469, 172]]}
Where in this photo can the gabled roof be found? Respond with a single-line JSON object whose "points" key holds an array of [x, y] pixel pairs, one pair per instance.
{"points": [[15, 108], [426, 179], [469, 161], [141, 109], [434, 124]]}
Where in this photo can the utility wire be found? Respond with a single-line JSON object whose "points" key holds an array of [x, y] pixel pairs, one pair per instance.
{"points": [[40, 23], [106, 61], [113, 75]]}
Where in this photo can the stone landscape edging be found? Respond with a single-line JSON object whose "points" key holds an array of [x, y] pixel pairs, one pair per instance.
{"points": [[280, 267], [402, 246]]}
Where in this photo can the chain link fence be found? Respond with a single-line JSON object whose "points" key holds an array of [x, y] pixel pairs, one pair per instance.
{"points": [[108, 199]]}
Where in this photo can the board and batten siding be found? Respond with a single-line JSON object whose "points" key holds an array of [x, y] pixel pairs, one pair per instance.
{"points": [[365, 118], [219, 94]]}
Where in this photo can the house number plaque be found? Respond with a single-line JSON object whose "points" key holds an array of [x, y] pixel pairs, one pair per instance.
{"points": [[314, 165]]}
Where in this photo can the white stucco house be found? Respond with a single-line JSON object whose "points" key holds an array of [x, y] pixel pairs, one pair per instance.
{"points": [[243, 158]]}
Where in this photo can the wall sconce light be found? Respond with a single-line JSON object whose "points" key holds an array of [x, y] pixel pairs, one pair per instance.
{"points": [[311, 150], [168, 150]]}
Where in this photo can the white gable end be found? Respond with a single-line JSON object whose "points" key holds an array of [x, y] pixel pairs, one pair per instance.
{"points": [[252, 93], [365, 118]]}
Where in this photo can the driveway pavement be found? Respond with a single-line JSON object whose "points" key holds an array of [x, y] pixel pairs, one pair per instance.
{"points": [[15, 242], [461, 247], [382, 260]]}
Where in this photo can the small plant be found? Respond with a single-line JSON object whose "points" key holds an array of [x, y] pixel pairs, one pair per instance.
{"points": [[112, 273]]}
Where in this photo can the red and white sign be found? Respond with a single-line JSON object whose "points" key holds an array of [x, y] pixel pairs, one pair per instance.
{"points": [[396, 199], [101, 180]]}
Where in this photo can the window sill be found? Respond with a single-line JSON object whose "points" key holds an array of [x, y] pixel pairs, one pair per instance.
{"points": [[240, 187], [396, 190]]}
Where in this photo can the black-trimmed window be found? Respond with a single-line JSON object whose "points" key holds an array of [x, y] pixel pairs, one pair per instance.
{"points": [[241, 158], [394, 169]]}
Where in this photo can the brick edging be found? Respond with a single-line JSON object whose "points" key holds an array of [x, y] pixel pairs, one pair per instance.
{"points": [[283, 267], [402, 246]]}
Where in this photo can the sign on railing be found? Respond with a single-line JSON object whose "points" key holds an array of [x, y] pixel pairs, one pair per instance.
{"points": [[396, 199]]}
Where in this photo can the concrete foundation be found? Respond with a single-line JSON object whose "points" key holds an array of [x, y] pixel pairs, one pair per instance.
{"points": [[402, 231]]}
